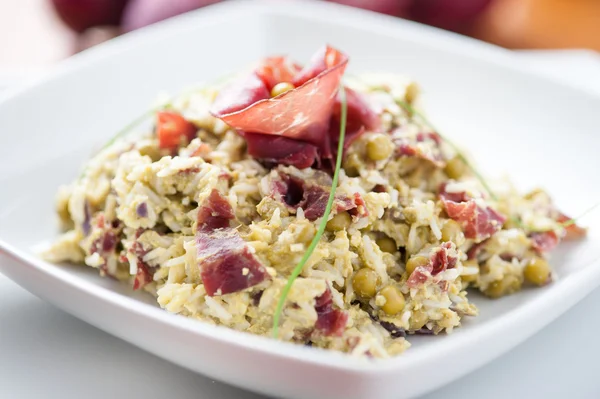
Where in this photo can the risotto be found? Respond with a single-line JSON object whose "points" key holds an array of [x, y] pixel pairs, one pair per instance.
{"points": [[214, 208]]}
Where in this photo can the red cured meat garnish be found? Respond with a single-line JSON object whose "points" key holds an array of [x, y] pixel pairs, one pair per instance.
{"points": [[143, 276], [274, 70], [106, 243], [408, 147], [308, 115], [474, 251], [421, 137], [544, 241], [145, 272], [240, 95], [572, 231], [227, 265], [444, 285], [188, 171], [100, 221], [215, 212], [417, 277], [171, 128], [281, 150], [356, 207], [358, 119], [478, 222], [137, 248], [302, 113], [440, 261], [324, 59], [331, 322], [312, 196], [314, 202]]}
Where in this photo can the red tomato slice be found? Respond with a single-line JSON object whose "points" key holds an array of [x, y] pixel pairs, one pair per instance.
{"points": [[171, 128]]}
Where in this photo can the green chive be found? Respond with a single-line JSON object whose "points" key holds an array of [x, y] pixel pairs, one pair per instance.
{"points": [[128, 128], [459, 153], [570, 222], [298, 269], [165, 106], [132, 125]]}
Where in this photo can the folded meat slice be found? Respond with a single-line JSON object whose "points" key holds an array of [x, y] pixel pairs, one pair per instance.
{"points": [[302, 113], [226, 263], [239, 95], [275, 70], [301, 126], [478, 221], [323, 60]]}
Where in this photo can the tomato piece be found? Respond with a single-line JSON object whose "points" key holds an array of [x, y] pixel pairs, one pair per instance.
{"points": [[573, 231], [171, 127]]}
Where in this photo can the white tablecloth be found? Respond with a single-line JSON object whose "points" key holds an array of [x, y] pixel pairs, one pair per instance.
{"points": [[46, 353]]}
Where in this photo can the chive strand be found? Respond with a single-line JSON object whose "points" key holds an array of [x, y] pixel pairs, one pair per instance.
{"points": [[574, 220], [321, 229], [128, 128], [459, 153]]}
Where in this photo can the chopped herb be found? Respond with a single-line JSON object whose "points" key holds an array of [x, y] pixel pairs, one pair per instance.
{"points": [[321, 229]]}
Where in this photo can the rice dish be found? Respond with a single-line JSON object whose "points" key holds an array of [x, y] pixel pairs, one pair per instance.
{"points": [[213, 208]]}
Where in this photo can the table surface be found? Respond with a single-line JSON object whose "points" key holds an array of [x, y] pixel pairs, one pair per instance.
{"points": [[45, 352]]}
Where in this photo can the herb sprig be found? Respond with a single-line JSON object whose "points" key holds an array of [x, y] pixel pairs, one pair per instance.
{"points": [[574, 220], [321, 229], [478, 175], [128, 128], [163, 106], [459, 153]]}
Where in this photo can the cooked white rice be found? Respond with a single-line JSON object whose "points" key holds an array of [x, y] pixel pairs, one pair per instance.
{"points": [[137, 203]]}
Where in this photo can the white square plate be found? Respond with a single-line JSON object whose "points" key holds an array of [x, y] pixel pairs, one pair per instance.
{"points": [[539, 131]]}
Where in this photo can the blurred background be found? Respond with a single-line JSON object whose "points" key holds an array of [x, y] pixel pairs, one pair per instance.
{"points": [[37, 33]]}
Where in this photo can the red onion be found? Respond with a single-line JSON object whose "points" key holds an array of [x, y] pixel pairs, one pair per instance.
{"points": [[80, 15], [140, 13], [453, 15], [397, 8]]}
